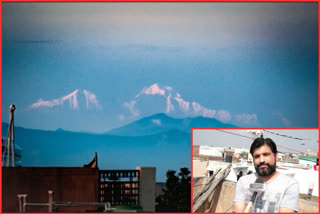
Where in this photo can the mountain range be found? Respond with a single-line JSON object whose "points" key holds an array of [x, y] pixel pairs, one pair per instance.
{"points": [[72, 98], [161, 122], [156, 141], [167, 100]]}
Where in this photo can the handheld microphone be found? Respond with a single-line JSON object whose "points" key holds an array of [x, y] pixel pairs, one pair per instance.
{"points": [[257, 187]]}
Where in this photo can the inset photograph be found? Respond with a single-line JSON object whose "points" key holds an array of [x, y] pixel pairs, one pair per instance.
{"points": [[255, 170]]}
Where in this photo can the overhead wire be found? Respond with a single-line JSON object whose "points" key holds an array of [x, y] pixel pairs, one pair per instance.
{"points": [[276, 144], [287, 136]]}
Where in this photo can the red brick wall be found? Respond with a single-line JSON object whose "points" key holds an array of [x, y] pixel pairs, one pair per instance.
{"points": [[69, 184]]}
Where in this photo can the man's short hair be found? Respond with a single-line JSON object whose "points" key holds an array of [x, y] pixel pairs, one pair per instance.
{"points": [[258, 142]]}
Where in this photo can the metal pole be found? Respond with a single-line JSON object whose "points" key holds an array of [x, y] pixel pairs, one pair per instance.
{"points": [[8, 151], [10, 138], [23, 205], [4, 150], [20, 203], [12, 133], [50, 200], [9, 142]]}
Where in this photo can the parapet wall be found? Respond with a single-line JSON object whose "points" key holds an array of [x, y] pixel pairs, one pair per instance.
{"points": [[69, 184]]}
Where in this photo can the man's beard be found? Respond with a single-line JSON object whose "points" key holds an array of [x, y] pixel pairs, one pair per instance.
{"points": [[265, 171]]}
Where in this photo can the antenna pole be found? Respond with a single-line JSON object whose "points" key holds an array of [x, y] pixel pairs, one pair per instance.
{"points": [[10, 137], [12, 108]]}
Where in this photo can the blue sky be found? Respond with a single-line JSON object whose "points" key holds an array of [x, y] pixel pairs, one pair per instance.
{"points": [[250, 64]]}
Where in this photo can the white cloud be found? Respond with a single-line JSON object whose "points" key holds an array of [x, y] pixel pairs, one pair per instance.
{"points": [[197, 108], [284, 120], [131, 107], [224, 116], [121, 117], [170, 107], [43, 103], [208, 113], [200, 110], [184, 105], [91, 98], [152, 90], [247, 118], [157, 122], [72, 98], [168, 88]]}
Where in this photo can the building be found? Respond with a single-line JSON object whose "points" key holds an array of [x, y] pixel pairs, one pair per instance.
{"points": [[77, 189]]}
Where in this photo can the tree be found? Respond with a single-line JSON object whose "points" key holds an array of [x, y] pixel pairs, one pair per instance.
{"points": [[177, 192]]}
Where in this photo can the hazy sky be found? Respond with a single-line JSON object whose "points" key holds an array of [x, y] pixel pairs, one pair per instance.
{"points": [[225, 139], [80, 66]]}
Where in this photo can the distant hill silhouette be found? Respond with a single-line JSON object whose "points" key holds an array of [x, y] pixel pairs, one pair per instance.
{"points": [[166, 150], [161, 123]]}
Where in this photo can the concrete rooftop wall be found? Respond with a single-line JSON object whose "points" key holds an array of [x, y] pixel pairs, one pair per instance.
{"points": [[69, 184]]}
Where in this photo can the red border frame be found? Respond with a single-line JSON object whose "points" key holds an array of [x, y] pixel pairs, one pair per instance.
{"points": [[191, 166], [195, 1]]}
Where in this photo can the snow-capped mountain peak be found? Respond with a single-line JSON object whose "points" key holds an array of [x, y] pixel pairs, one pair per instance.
{"points": [[174, 102], [175, 105], [72, 99], [152, 90]]}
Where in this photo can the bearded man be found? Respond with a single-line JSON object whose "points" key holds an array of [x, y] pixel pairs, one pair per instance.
{"points": [[280, 192]]}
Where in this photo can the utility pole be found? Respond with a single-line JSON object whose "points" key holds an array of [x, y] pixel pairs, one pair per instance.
{"points": [[9, 147]]}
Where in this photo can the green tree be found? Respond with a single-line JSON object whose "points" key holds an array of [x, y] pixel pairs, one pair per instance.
{"points": [[177, 192]]}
